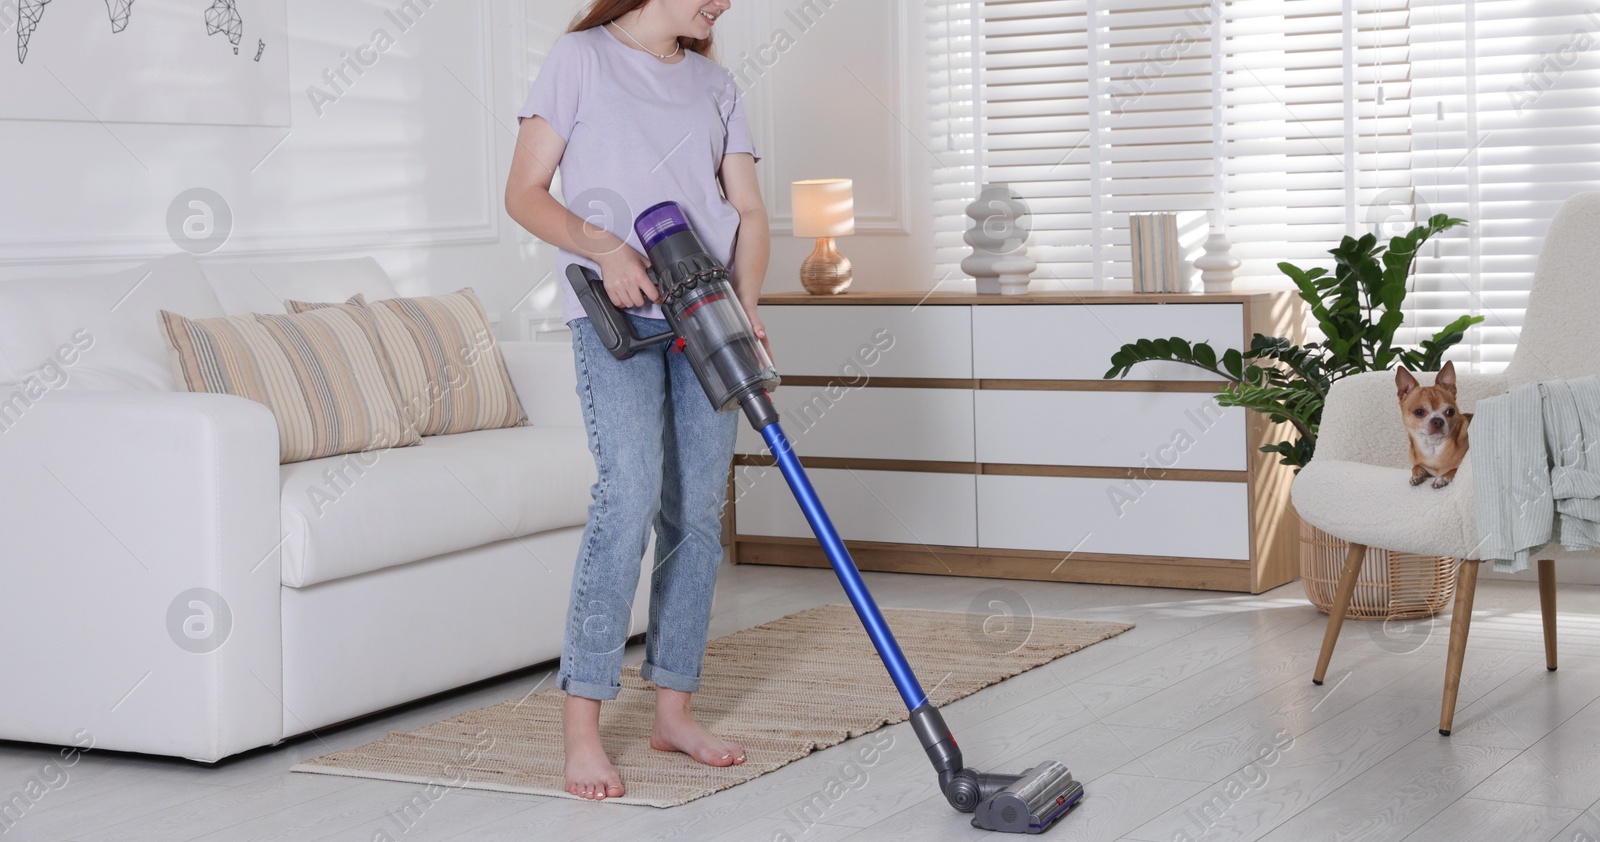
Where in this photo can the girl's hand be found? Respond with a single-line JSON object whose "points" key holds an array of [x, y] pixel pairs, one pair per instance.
{"points": [[627, 283], [759, 328]]}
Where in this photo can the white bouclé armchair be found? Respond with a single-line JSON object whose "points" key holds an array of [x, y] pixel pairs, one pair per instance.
{"points": [[1355, 487]]}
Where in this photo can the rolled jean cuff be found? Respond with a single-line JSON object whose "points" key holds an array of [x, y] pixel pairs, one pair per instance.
{"points": [[668, 679], [598, 692]]}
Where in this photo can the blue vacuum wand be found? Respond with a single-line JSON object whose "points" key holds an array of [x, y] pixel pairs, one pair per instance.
{"points": [[705, 316]]}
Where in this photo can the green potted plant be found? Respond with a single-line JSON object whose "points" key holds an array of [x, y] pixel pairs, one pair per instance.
{"points": [[1358, 308]]}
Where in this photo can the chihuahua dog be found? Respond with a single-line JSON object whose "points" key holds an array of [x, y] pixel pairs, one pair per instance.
{"points": [[1436, 426]]}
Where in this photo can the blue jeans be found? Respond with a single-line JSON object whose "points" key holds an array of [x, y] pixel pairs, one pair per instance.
{"points": [[662, 454]]}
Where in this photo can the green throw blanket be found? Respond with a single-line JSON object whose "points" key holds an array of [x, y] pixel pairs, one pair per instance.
{"points": [[1535, 454]]}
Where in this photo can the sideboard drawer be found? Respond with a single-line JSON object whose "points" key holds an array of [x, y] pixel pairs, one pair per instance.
{"points": [[1178, 430], [820, 340], [1064, 514], [903, 507], [1075, 342], [872, 423]]}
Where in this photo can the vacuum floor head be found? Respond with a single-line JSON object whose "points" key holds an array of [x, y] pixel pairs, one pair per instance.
{"points": [[1031, 804]]}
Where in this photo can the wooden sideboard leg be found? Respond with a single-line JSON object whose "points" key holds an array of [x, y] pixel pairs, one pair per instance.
{"points": [[1341, 604], [1460, 620], [1547, 607]]}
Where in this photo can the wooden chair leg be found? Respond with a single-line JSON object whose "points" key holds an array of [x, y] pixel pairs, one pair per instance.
{"points": [[1547, 607], [1341, 604], [1460, 620]]}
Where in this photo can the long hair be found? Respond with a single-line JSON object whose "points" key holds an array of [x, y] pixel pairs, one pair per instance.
{"points": [[602, 12]]}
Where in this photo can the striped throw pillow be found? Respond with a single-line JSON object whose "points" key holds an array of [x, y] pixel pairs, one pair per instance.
{"points": [[450, 371], [324, 375]]}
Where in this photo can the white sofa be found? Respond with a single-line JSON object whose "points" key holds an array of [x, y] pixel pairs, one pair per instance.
{"points": [[167, 587]]}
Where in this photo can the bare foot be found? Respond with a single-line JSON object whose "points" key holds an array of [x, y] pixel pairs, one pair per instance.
{"points": [[588, 771], [676, 730]]}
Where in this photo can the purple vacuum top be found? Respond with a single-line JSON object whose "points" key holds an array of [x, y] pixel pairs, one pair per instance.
{"points": [[660, 221]]}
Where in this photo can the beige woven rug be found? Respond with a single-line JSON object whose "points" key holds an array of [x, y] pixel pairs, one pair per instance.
{"points": [[782, 690]]}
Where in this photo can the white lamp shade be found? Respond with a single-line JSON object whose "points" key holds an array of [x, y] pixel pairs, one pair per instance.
{"points": [[824, 207]]}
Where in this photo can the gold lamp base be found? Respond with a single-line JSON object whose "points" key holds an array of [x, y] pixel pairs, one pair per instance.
{"points": [[826, 271]]}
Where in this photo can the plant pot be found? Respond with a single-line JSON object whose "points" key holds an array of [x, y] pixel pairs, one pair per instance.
{"points": [[1391, 586]]}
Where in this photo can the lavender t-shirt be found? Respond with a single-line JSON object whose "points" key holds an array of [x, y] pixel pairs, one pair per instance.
{"points": [[639, 132]]}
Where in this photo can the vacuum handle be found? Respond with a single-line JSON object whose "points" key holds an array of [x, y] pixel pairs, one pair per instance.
{"points": [[610, 324]]}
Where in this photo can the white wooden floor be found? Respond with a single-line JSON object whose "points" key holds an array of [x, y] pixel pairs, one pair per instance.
{"points": [[1202, 723]]}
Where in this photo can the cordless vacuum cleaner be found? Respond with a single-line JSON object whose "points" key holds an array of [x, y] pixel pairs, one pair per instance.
{"points": [[710, 327]]}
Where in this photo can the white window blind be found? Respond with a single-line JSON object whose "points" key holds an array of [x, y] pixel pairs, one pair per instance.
{"points": [[1095, 109], [1086, 129], [1153, 142], [1310, 152], [1297, 121], [950, 28], [1506, 127]]}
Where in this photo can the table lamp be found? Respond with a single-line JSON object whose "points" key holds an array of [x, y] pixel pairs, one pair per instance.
{"points": [[824, 208]]}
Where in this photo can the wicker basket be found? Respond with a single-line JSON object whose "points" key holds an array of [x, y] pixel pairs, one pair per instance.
{"points": [[1392, 585]]}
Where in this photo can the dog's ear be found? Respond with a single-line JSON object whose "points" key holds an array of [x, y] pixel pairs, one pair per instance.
{"points": [[1404, 382], [1446, 378]]}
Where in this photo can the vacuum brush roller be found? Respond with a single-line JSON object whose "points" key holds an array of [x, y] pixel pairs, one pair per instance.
{"points": [[1031, 804]]}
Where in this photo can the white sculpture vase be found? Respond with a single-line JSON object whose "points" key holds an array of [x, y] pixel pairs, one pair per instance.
{"points": [[998, 236], [1216, 265]]}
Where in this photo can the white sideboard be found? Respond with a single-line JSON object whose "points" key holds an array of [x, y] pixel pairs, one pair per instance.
{"points": [[974, 435]]}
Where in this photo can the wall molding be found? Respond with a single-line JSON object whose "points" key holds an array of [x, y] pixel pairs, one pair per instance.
{"points": [[134, 248], [892, 222], [545, 327]]}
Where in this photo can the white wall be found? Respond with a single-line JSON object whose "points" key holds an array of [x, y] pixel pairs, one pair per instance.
{"points": [[406, 163]]}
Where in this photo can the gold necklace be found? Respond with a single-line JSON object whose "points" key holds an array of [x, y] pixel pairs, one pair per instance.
{"points": [[647, 49]]}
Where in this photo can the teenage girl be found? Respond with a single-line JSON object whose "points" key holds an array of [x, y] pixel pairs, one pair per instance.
{"points": [[633, 111]]}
